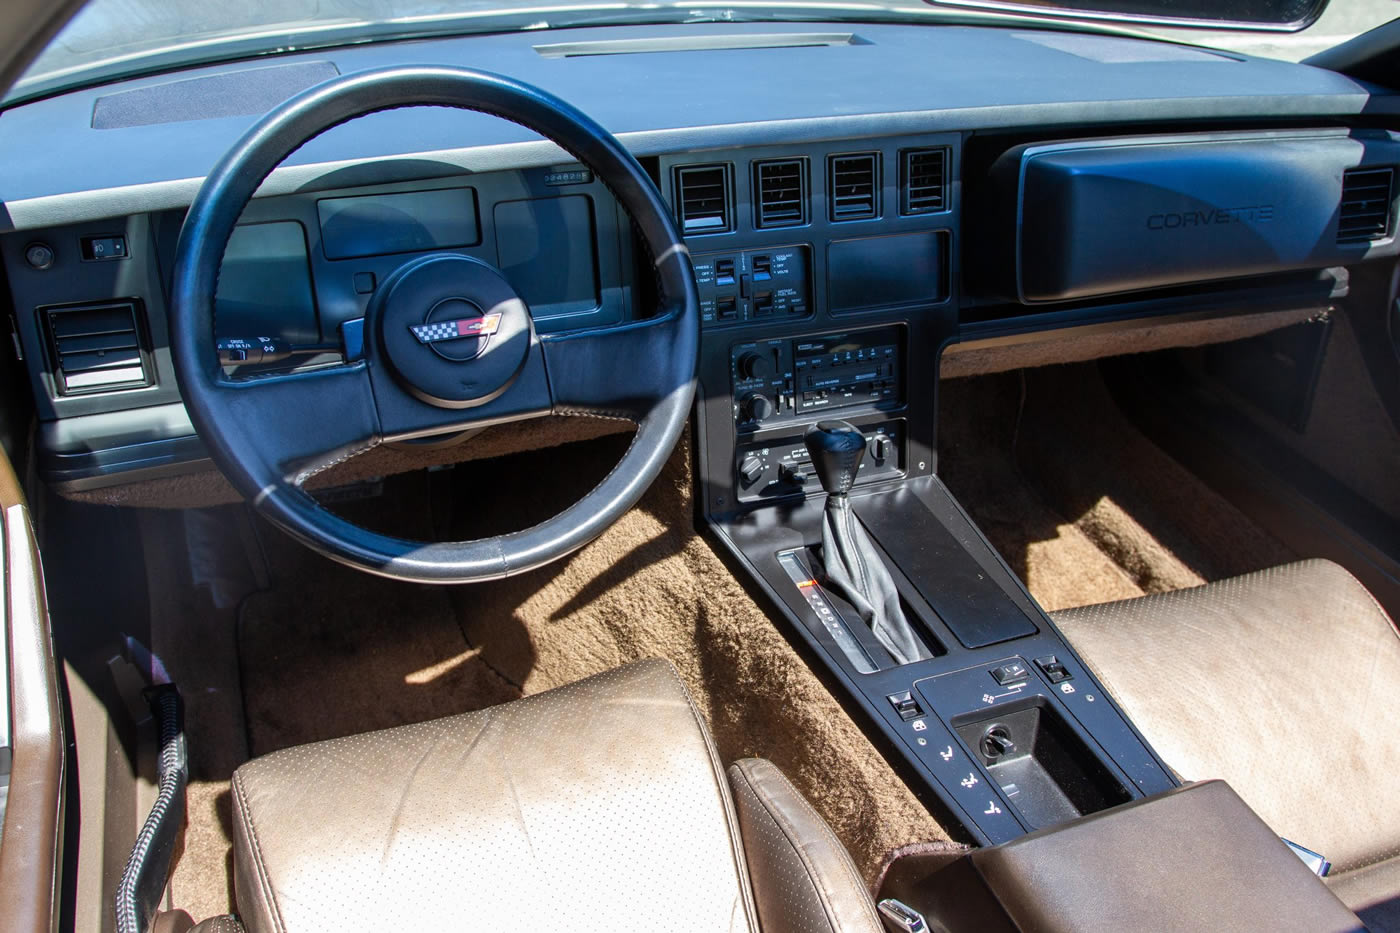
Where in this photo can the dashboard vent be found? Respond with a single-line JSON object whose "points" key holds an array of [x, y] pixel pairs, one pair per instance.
{"points": [[855, 186], [702, 198], [780, 192], [96, 348], [924, 178], [1365, 208]]}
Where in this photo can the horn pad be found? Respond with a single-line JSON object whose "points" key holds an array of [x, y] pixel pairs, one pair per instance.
{"points": [[452, 330]]}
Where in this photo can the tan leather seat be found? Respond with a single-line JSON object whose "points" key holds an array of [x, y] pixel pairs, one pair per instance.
{"points": [[597, 806], [1281, 682]]}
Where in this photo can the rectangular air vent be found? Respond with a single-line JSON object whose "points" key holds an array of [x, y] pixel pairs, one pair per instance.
{"points": [[702, 199], [780, 193], [854, 182], [923, 181], [1365, 210], [96, 348]]}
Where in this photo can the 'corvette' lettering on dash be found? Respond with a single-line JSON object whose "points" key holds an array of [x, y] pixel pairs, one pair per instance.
{"points": [[1176, 220]]}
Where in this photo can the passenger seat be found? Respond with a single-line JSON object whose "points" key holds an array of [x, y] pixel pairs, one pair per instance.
{"points": [[1284, 683]]}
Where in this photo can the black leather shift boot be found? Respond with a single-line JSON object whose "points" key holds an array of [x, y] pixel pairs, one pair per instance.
{"points": [[854, 569]]}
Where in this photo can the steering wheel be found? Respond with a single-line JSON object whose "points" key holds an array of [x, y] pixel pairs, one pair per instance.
{"points": [[448, 344]]}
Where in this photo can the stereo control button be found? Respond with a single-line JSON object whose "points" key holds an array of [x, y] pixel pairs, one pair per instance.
{"points": [[756, 407], [754, 365]]}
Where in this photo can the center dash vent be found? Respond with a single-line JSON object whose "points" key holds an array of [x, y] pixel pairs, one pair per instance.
{"points": [[96, 348], [780, 193], [923, 181], [855, 185], [1364, 214], [702, 199]]}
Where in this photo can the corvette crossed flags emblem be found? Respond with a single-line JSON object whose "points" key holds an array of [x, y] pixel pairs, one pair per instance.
{"points": [[451, 330]]}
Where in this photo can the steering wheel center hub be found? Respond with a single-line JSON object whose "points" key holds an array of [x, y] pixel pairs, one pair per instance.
{"points": [[452, 330]]}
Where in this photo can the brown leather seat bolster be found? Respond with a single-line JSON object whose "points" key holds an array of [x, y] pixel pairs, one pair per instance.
{"points": [[1280, 682], [803, 878]]}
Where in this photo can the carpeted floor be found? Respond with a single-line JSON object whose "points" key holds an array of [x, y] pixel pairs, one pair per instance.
{"points": [[328, 651], [1080, 504]]}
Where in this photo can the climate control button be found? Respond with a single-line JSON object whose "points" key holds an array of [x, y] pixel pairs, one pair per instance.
{"points": [[751, 470]]}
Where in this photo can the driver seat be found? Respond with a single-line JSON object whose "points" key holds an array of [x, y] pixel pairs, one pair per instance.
{"points": [[601, 805]]}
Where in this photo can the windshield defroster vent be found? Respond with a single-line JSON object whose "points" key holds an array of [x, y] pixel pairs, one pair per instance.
{"points": [[96, 348], [854, 182], [1365, 209], [923, 181], [702, 199], [780, 192]]}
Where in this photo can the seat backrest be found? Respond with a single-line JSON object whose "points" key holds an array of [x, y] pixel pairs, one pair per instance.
{"points": [[598, 806]]}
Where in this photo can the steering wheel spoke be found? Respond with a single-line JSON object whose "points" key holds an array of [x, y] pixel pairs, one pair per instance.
{"points": [[620, 372], [302, 423]]}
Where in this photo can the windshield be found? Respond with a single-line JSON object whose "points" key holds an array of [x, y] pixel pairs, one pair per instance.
{"points": [[109, 39]]}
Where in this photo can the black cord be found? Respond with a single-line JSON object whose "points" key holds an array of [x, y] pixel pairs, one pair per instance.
{"points": [[143, 879]]}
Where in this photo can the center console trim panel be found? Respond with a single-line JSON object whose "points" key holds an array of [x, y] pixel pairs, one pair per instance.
{"points": [[958, 683]]}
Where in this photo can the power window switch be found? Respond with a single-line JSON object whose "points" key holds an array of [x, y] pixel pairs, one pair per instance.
{"points": [[905, 705], [1054, 669]]}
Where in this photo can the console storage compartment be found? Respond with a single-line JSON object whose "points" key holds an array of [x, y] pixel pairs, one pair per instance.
{"points": [[1193, 858]]}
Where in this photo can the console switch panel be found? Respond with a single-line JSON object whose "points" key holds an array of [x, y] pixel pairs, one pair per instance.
{"points": [[758, 285]]}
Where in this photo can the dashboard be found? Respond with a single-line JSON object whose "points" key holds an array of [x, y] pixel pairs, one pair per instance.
{"points": [[855, 199]]}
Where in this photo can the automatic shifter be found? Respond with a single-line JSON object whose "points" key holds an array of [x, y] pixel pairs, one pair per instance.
{"points": [[850, 560]]}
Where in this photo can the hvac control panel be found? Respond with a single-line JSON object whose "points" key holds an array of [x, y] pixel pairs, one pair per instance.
{"points": [[753, 285], [782, 468], [801, 378]]}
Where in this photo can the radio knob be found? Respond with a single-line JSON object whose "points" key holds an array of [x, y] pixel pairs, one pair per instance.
{"points": [[750, 470], [756, 406], [754, 365]]}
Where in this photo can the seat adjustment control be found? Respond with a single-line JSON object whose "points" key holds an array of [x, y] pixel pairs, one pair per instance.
{"points": [[905, 705], [1054, 669]]}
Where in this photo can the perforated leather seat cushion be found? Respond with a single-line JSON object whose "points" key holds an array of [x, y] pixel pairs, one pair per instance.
{"points": [[1281, 682], [597, 806]]}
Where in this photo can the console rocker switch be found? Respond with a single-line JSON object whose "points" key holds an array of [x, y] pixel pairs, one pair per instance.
{"points": [[1010, 673], [905, 705], [1054, 669]]}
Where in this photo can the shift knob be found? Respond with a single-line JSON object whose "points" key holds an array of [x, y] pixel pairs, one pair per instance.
{"points": [[836, 448]]}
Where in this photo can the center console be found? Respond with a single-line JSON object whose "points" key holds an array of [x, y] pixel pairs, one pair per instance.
{"points": [[1007, 728], [999, 727]]}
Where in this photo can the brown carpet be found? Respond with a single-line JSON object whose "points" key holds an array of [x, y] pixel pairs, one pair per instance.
{"points": [[328, 651], [1080, 504], [651, 587], [1060, 564]]}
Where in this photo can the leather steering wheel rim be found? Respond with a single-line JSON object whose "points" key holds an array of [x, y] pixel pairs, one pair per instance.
{"points": [[643, 371]]}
